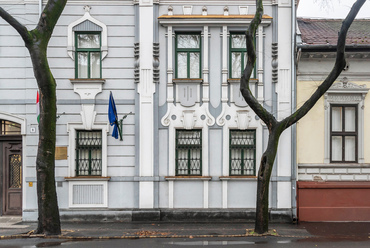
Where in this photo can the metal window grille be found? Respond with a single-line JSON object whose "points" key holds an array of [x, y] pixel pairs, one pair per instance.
{"points": [[9, 128], [188, 152], [89, 153], [15, 175], [242, 152]]}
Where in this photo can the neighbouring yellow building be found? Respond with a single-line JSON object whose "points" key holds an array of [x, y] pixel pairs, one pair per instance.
{"points": [[333, 139]]}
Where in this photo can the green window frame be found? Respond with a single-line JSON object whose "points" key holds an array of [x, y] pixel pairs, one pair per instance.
{"points": [[88, 55], [88, 153], [343, 133], [238, 55], [242, 152], [188, 152], [188, 56]]}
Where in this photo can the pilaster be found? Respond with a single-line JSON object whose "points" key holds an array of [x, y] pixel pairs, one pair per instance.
{"points": [[146, 89]]}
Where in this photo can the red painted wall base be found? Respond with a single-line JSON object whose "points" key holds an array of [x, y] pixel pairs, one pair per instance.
{"points": [[333, 201]]}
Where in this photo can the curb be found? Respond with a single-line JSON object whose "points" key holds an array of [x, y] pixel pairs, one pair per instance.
{"points": [[22, 236]]}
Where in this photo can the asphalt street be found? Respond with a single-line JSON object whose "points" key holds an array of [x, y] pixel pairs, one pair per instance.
{"points": [[17, 234], [259, 242]]}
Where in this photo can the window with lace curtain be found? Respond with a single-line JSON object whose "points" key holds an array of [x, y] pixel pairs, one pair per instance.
{"points": [[89, 153], [88, 55], [242, 152], [343, 133], [238, 55], [188, 55], [188, 152]]}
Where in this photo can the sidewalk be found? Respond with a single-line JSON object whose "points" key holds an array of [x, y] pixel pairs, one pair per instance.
{"points": [[14, 228]]}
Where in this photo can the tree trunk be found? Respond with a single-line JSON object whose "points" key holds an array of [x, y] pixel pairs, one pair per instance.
{"points": [[276, 128], [48, 211], [264, 175]]}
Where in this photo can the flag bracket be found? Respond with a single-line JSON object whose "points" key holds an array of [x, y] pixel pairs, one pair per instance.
{"points": [[120, 122], [58, 116]]}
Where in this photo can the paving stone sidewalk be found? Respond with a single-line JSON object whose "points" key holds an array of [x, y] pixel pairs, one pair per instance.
{"points": [[13, 227]]}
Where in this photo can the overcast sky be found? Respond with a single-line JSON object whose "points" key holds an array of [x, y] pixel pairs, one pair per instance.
{"points": [[334, 8]]}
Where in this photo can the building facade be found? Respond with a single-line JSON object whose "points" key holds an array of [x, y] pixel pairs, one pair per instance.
{"points": [[333, 139], [190, 144]]}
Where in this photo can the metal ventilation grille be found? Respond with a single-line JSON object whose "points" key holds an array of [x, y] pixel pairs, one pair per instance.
{"points": [[88, 194], [15, 171]]}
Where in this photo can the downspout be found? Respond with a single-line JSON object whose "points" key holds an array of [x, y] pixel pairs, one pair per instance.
{"points": [[274, 96], [40, 7], [294, 106]]}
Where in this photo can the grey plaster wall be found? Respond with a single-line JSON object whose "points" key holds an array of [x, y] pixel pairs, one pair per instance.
{"points": [[189, 194], [18, 91], [241, 194]]}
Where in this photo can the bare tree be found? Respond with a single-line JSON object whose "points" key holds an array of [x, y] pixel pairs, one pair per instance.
{"points": [[274, 126], [36, 41]]}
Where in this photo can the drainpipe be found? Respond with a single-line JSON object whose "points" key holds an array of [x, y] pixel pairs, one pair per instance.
{"points": [[294, 127], [40, 7]]}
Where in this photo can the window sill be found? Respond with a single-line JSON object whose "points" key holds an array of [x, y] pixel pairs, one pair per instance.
{"points": [[87, 80], [187, 80], [238, 178], [237, 80], [335, 165], [188, 178], [87, 178]]}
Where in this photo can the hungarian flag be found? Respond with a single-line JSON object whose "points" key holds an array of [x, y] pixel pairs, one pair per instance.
{"points": [[38, 107]]}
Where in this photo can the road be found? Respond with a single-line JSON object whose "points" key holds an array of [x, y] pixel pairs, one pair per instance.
{"points": [[245, 242]]}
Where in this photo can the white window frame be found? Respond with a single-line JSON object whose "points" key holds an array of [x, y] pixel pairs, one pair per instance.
{"points": [[71, 34], [87, 180], [72, 130]]}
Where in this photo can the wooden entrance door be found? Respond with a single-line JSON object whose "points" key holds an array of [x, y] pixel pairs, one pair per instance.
{"points": [[12, 178]]}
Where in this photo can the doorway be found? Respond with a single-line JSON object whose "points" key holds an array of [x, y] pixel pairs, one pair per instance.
{"points": [[10, 168]]}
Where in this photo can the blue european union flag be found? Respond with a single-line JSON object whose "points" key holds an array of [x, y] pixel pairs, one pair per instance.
{"points": [[112, 115]]}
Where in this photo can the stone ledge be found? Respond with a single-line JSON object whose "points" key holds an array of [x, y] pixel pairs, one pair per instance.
{"points": [[181, 178], [349, 165]]}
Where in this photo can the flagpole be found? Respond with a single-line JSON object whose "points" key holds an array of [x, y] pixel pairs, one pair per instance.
{"points": [[119, 125]]}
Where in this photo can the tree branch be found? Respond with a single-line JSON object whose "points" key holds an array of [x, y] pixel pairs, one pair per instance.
{"points": [[339, 65], [21, 29], [50, 16], [267, 117]]}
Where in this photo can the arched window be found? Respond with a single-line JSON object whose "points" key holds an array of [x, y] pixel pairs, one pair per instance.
{"points": [[9, 128]]}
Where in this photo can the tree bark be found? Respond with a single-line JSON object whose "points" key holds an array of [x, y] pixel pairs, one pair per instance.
{"points": [[263, 179], [48, 211], [277, 127], [36, 42]]}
